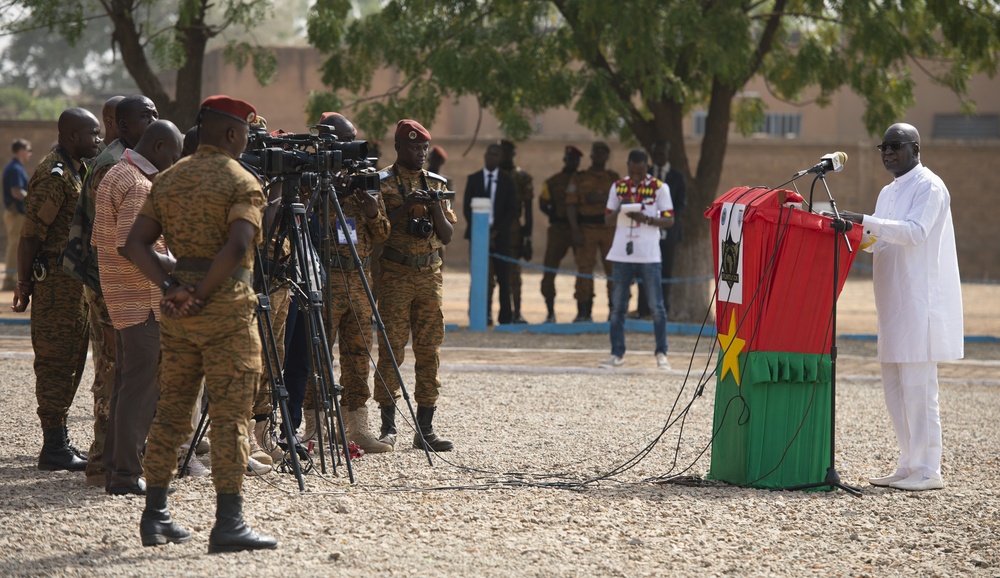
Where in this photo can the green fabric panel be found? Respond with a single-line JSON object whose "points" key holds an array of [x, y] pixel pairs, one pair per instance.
{"points": [[773, 430]]}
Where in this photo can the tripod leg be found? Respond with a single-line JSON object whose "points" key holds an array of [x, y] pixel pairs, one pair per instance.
{"points": [[199, 433]]}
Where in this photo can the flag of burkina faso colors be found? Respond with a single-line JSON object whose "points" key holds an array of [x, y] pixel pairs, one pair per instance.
{"points": [[774, 267]]}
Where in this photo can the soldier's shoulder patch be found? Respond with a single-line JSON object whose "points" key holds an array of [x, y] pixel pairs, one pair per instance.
{"points": [[58, 169], [384, 174], [436, 177]]}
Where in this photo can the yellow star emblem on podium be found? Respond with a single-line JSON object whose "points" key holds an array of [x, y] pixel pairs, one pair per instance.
{"points": [[732, 346]]}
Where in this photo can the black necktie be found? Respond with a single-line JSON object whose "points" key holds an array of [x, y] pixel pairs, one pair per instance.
{"points": [[489, 185]]}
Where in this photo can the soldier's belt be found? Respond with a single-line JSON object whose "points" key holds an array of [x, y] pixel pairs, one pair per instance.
{"points": [[590, 219], [338, 262], [202, 265], [558, 221], [395, 256]]}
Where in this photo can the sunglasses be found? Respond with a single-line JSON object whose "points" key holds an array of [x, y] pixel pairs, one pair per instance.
{"points": [[895, 146]]}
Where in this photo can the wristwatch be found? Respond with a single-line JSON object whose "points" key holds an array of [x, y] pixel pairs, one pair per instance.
{"points": [[168, 283]]}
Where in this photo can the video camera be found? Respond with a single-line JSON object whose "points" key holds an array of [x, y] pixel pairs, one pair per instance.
{"points": [[309, 156]]}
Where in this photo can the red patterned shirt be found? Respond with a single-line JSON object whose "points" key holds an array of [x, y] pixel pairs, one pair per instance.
{"points": [[129, 295]]}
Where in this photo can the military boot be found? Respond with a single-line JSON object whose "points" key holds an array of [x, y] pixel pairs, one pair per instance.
{"points": [[387, 434], [155, 527], [356, 424], [231, 533], [425, 418], [265, 451], [550, 305], [57, 453], [583, 309]]}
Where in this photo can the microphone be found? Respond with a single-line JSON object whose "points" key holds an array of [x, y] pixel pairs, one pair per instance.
{"points": [[829, 162]]}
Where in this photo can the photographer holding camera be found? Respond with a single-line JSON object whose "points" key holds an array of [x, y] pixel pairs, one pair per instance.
{"points": [[410, 285]]}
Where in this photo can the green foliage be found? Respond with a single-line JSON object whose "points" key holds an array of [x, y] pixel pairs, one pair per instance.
{"points": [[16, 103], [634, 69]]}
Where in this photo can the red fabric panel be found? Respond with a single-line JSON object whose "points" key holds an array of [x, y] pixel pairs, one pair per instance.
{"points": [[787, 273]]}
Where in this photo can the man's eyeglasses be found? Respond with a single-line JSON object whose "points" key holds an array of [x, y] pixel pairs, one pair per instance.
{"points": [[895, 146]]}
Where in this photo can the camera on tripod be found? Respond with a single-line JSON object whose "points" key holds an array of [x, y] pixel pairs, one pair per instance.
{"points": [[310, 156]]}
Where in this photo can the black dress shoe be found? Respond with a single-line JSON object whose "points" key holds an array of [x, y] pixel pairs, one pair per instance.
{"points": [[138, 489]]}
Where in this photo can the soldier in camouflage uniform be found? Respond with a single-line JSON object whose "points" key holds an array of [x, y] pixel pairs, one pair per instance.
{"points": [[132, 115], [552, 202], [410, 285], [59, 323], [209, 210], [520, 231], [586, 197]]}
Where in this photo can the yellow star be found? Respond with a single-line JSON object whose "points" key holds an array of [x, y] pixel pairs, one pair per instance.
{"points": [[732, 346]]}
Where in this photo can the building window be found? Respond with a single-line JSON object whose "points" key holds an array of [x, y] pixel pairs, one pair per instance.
{"points": [[967, 127], [777, 124]]}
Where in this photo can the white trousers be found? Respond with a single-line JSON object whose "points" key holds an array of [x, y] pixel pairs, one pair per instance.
{"points": [[911, 395]]}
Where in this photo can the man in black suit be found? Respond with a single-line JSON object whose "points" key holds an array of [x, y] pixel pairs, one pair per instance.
{"points": [[493, 184], [669, 238]]}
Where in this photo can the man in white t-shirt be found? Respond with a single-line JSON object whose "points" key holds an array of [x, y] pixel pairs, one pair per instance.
{"points": [[639, 205]]}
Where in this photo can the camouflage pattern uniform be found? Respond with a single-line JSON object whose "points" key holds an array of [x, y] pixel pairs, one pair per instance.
{"points": [[410, 294], [102, 331], [351, 312], [195, 201], [559, 239], [588, 190], [59, 323], [525, 193]]}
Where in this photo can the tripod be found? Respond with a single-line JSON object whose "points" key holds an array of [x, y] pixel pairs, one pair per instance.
{"points": [[325, 187], [841, 226]]}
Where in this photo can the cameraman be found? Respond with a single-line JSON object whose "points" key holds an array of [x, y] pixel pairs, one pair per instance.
{"points": [[410, 284], [349, 308]]}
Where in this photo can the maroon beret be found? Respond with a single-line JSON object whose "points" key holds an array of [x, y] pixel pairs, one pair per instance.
{"points": [[231, 107], [572, 150], [329, 116], [411, 131], [437, 150]]}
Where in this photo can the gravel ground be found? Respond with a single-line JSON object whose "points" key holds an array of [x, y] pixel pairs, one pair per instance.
{"points": [[532, 420], [507, 502]]}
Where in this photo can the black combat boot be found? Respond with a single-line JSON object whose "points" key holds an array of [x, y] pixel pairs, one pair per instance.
{"points": [[550, 305], [583, 309], [387, 434], [231, 533], [57, 453], [155, 527], [425, 417]]}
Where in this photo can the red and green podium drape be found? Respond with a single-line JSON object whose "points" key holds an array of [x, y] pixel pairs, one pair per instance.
{"points": [[774, 270]]}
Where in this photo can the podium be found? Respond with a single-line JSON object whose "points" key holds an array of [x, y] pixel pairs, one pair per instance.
{"points": [[774, 306]]}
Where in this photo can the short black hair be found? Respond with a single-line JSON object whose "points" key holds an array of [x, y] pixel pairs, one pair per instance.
{"points": [[19, 145], [638, 156]]}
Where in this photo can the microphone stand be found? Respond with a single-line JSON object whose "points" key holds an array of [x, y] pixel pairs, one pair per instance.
{"points": [[842, 226]]}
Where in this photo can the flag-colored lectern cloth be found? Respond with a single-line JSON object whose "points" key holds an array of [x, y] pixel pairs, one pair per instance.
{"points": [[774, 269]]}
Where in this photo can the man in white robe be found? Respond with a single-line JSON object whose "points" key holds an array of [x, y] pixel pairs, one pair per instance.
{"points": [[918, 297]]}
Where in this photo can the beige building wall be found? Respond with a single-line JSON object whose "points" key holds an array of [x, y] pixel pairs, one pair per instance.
{"points": [[751, 160]]}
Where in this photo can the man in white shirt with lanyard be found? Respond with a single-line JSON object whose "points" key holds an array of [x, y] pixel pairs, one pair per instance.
{"points": [[640, 206]]}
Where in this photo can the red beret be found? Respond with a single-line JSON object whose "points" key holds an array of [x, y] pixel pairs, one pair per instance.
{"points": [[437, 150], [328, 115], [411, 131], [231, 107], [572, 150]]}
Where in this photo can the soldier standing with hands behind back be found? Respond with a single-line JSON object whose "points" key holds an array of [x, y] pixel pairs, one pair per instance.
{"points": [[59, 325], [552, 202], [209, 210], [410, 285]]}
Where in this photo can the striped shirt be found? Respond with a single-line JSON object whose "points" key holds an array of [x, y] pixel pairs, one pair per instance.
{"points": [[129, 295]]}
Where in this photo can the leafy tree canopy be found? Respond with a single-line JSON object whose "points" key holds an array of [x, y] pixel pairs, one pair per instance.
{"points": [[146, 37], [635, 69]]}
